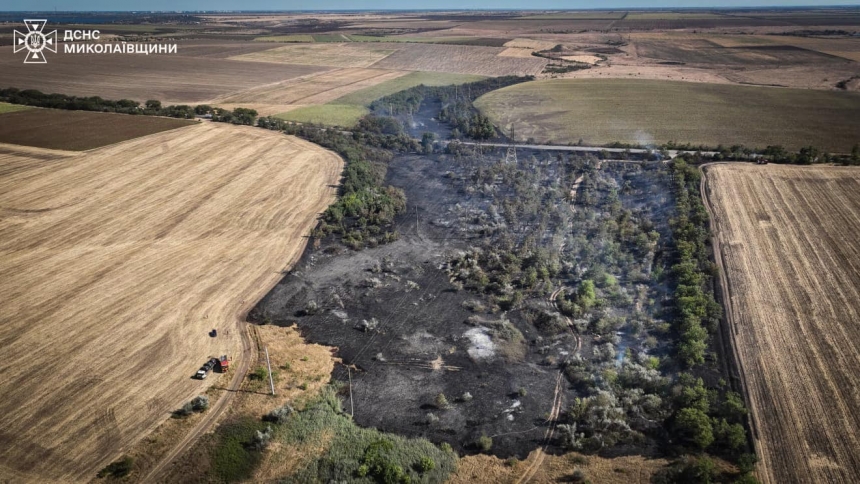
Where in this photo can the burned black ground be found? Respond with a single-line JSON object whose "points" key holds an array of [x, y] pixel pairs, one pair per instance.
{"points": [[412, 331]]}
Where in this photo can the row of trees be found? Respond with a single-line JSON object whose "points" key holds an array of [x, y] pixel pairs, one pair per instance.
{"points": [[366, 207], [696, 309], [152, 107]]}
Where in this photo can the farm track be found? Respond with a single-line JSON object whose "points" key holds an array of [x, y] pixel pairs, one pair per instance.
{"points": [[215, 411], [114, 265], [787, 239]]}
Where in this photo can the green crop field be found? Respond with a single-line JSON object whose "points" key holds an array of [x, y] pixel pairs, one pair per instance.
{"points": [[11, 108], [347, 110], [344, 115], [644, 112], [367, 95], [286, 38]]}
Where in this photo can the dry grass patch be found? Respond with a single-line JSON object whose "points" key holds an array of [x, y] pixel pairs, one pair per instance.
{"points": [[586, 59], [531, 44], [517, 52], [552, 469], [788, 239], [117, 263]]}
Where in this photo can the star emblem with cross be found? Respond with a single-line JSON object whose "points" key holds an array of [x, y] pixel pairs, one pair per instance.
{"points": [[35, 41]]}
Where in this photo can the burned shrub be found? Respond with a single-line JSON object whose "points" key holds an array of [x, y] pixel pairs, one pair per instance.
{"points": [[261, 439], [279, 415], [200, 403]]}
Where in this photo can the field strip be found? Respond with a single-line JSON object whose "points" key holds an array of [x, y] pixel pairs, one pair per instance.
{"points": [[787, 239], [116, 263], [318, 89]]}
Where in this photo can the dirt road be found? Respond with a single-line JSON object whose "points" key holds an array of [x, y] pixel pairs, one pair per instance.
{"points": [[116, 263]]}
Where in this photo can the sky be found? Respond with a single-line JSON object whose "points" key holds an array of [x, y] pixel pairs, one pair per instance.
{"points": [[173, 5]]}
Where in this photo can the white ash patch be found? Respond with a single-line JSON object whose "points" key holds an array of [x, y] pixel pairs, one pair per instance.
{"points": [[482, 347]]}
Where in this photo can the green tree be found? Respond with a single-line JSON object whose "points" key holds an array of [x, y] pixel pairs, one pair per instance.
{"points": [[153, 104], [693, 426], [586, 296], [427, 142], [733, 437]]}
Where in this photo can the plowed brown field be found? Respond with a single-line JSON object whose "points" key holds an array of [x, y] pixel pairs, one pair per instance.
{"points": [[114, 266], [788, 238]]}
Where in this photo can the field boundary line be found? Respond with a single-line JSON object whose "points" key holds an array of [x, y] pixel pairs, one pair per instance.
{"points": [[727, 324]]}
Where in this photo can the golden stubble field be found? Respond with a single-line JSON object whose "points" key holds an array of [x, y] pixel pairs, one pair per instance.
{"points": [[789, 241], [115, 264]]}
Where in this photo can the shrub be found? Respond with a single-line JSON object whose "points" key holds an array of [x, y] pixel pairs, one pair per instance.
{"points": [[426, 464], [279, 415], [484, 443], [467, 397], [259, 374], [184, 411], [200, 403], [441, 401], [118, 469], [262, 439]]}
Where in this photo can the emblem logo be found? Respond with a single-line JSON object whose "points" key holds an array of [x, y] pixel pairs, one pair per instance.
{"points": [[35, 41]]}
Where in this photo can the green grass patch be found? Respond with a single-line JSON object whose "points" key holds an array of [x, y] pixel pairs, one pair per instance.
{"points": [[233, 457], [367, 95], [286, 38], [12, 108], [356, 454], [331, 38], [344, 115], [655, 112]]}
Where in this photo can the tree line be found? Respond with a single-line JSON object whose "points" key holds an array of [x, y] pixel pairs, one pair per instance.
{"points": [[152, 107]]}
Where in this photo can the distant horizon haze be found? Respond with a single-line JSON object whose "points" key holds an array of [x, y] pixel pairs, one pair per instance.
{"points": [[341, 5]]}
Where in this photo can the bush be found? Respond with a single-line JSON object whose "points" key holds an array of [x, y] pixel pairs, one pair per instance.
{"points": [[118, 469], [441, 401], [184, 411], [259, 374], [261, 439], [426, 464], [200, 403], [279, 415], [484, 443]]}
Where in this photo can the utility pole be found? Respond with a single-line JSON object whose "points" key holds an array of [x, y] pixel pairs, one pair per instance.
{"points": [[271, 382], [511, 156], [351, 406]]}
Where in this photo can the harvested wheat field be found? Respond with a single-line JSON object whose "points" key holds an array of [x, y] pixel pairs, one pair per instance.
{"points": [[463, 59], [172, 79], [315, 89], [114, 266], [789, 240]]}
